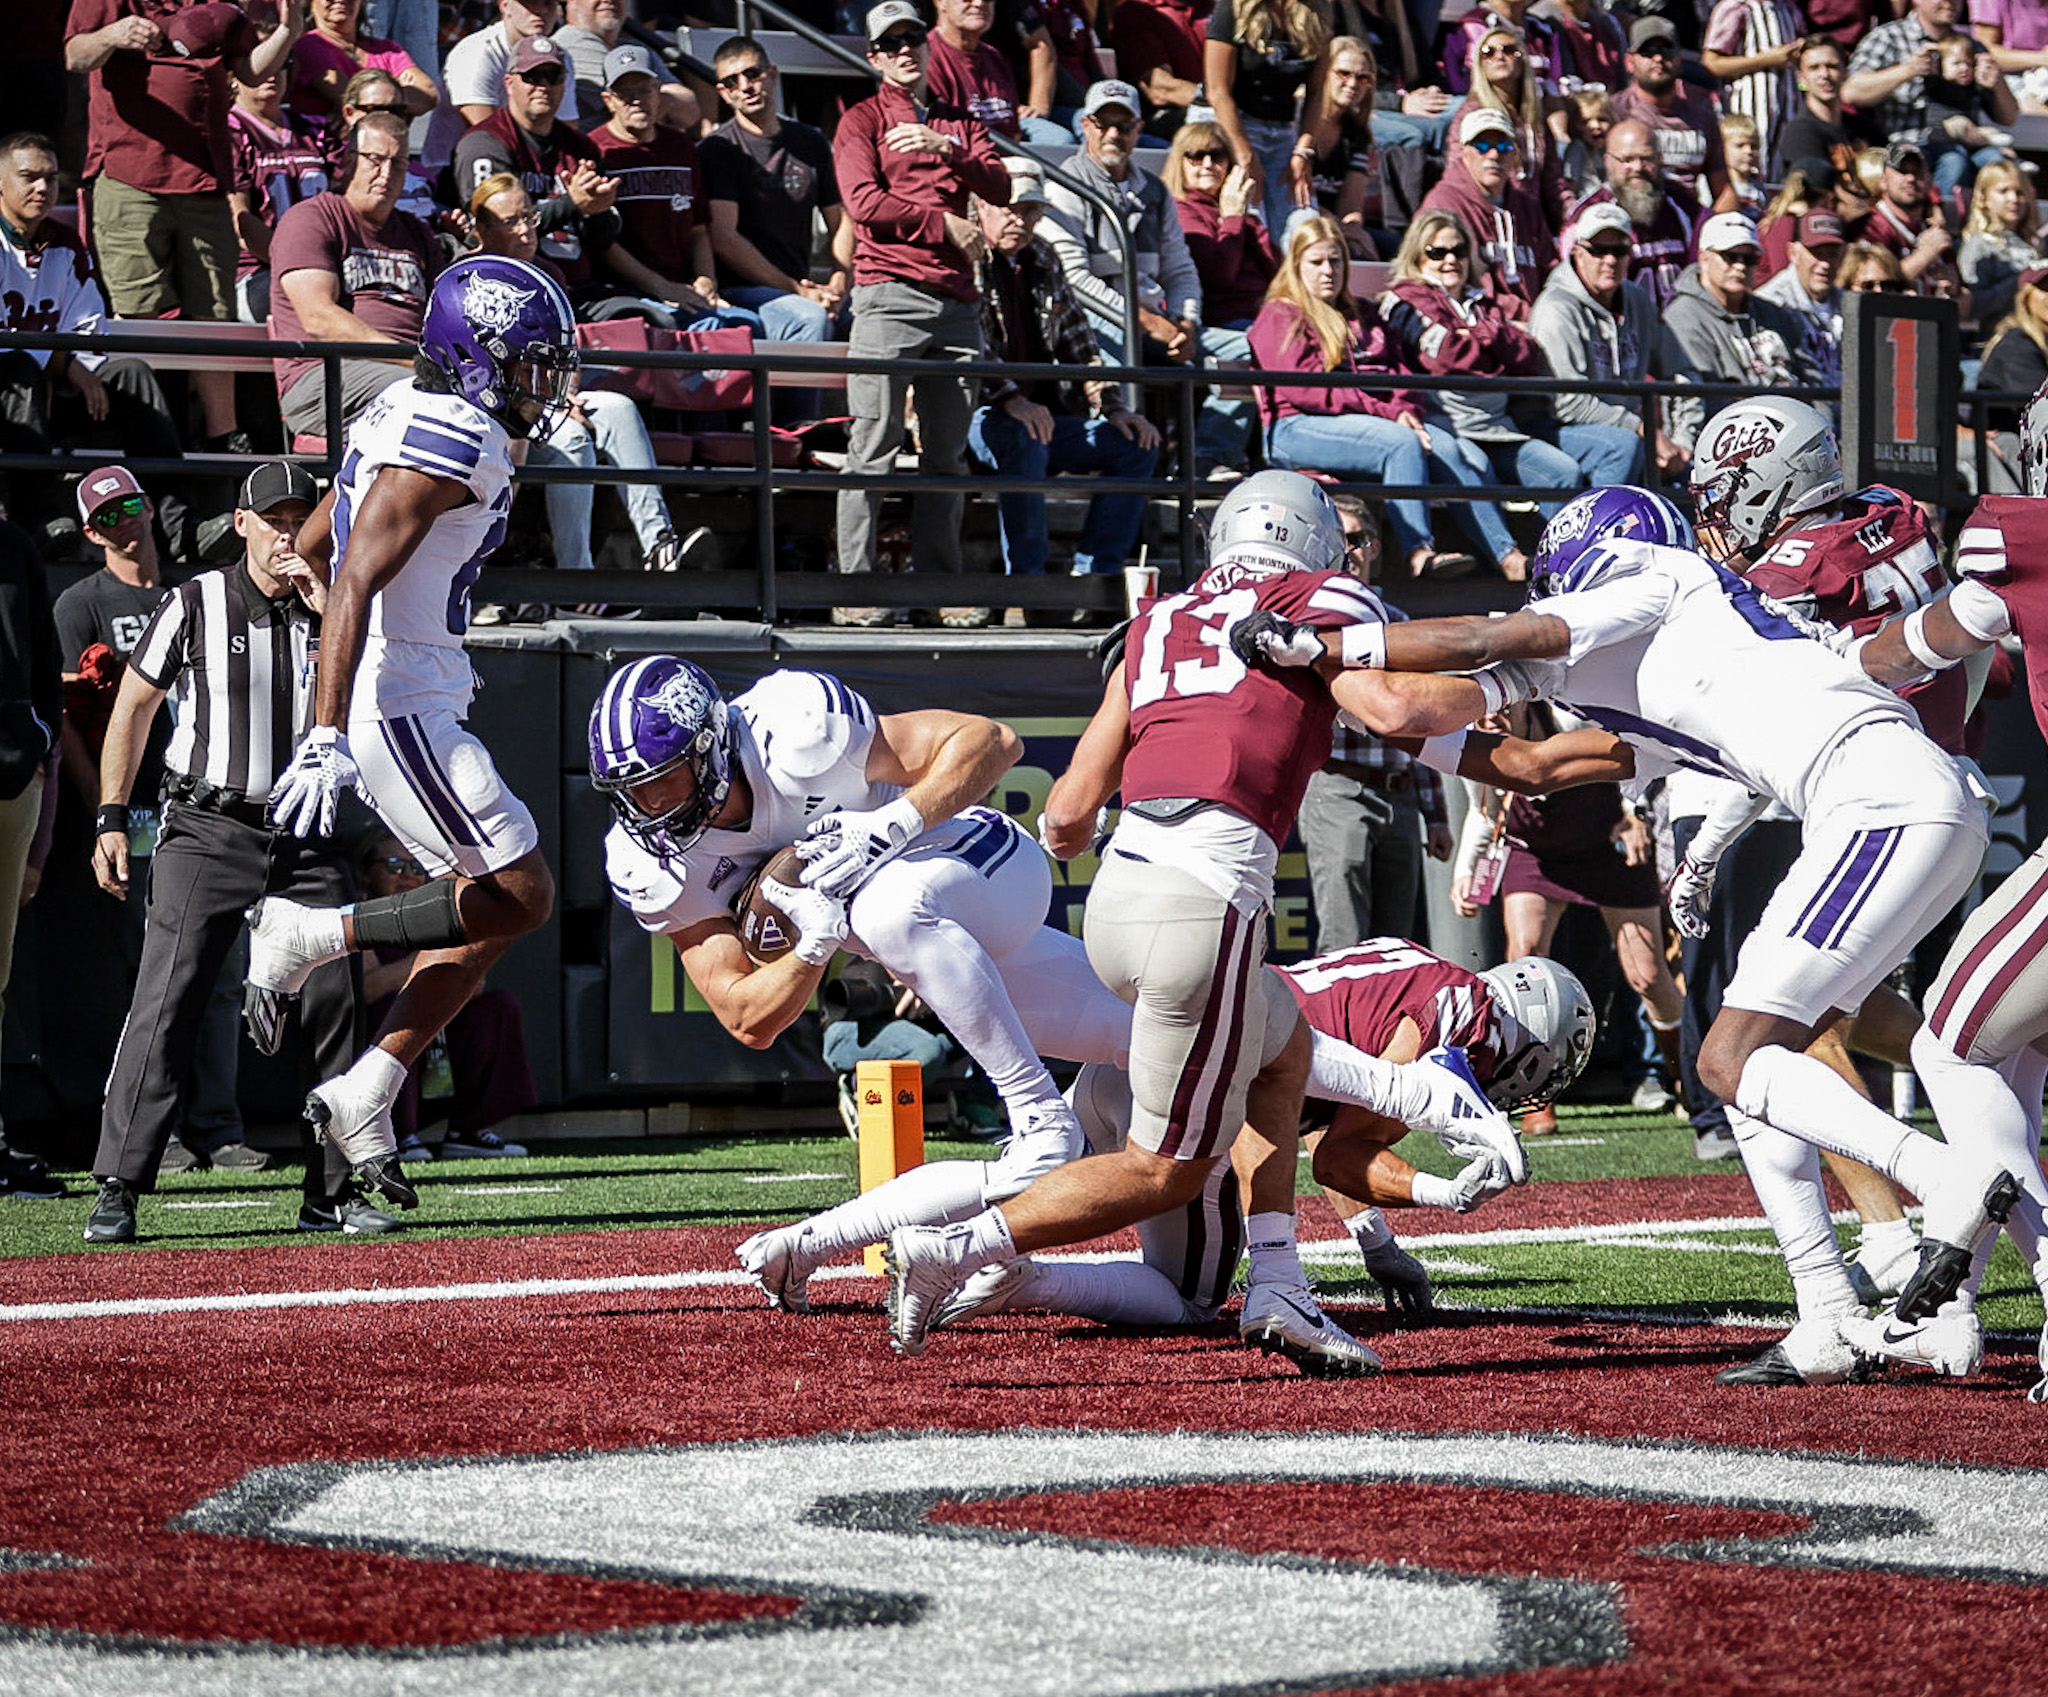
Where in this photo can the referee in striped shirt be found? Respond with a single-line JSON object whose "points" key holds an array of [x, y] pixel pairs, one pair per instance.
{"points": [[234, 650]]}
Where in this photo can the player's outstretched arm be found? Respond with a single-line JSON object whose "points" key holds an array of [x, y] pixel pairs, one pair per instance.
{"points": [[1533, 768], [945, 760], [1410, 706], [396, 516], [1936, 636], [755, 1003], [1067, 826], [1466, 644]]}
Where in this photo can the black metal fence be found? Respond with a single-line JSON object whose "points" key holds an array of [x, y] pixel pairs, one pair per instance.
{"points": [[772, 594]]}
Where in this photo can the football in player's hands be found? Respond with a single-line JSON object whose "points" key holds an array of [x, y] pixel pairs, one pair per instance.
{"points": [[766, 932], [1265, 638]]}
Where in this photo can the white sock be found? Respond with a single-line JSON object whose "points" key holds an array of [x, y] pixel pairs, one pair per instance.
{"points": [[1118, 1293], [1338, 1072], [378, 1071], [1426, 1190], [933, 1195], [988, 1241], [1369, 1230], [1269, 1242], [1785, 1173], [1980, 1112], [1800, 1095], [1885, 1238]]}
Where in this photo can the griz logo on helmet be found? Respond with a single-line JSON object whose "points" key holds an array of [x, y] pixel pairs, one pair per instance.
{"points": [[1743, 439]]}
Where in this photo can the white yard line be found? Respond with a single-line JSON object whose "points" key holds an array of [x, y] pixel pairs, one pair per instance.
{"points": [[1650, 1234], [238, 1202]]}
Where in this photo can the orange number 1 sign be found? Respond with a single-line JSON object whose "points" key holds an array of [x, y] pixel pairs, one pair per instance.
{"points": [[1904, 336]]}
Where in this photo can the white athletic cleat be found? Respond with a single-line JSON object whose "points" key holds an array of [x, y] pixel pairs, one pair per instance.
{"points": [[1954, 1221], [1465, 1122], [2039, 1393], [781, 1261], [1052, 1127], [1950, 1342], [359, 1125], [1814, 1352], [284, 947], [990, 1291], [1876, 1276], [1287, 1320], [924, 1265]]}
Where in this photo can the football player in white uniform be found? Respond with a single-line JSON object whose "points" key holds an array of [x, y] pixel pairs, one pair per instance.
{"points": [[1684, 665], [420, 503]]}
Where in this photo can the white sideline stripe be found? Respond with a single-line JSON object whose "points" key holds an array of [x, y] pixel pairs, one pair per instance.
{"points": [[509, 1190], [238, 1202], [1661, 1234], [789, 1178]]}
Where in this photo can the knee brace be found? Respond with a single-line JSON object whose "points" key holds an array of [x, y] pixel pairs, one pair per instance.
{"points": [[425, 918]]}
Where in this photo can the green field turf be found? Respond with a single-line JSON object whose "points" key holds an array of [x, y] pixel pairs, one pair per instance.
{"points": [[1680, 1271]]}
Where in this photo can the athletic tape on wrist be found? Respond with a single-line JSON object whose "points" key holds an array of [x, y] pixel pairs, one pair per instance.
{"points": [[1364, 646], [1914, 631]]}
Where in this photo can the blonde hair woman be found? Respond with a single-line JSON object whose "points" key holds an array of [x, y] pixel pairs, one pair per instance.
{"points": [[1233, 255], [1257, 58], [1311, 324], [1336, 168], [1503, 81], [2001, 238]]}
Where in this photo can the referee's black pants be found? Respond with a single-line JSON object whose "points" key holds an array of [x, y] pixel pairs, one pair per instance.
{"points": [[208, 868]]}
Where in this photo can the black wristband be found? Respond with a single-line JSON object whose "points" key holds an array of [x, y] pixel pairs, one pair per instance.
{"points": [[113, 817]]}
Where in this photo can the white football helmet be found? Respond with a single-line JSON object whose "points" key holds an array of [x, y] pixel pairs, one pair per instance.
{"points": [[1546, 1031], [2034, 444], [1280, 520], [1758, 464]]}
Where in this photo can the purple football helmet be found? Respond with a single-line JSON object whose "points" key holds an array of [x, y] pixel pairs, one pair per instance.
{"points": [[654, 716], [1570, 555], [500, 333]]}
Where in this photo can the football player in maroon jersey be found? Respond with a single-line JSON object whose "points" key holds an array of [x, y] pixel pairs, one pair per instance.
{"points": [[1212, 757], [1986, 1035]]}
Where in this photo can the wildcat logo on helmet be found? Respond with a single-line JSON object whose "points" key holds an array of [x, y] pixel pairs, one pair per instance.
{"points": [[1572, 522], [492, 304], [679, 700]]}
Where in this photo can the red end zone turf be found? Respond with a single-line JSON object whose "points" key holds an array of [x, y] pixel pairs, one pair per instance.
{"points": [[1689, 1513]]}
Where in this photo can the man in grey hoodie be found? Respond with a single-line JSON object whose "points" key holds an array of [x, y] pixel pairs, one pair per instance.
{"points": [[1594, 325], [1717, 331]]}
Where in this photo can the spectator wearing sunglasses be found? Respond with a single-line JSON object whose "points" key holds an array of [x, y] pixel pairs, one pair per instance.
{"points": [[1596, 324], [765, 178], [1683, 124], [1504, 81], [908, 165], [473, 77], [1447, 324], [1485, 190], [51, 400], [1806, 287], [559, 166], [1717, 331], [1233, 255], [1458, 44]]}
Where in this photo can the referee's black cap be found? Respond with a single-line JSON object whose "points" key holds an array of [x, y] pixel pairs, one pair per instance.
{"points": [[274, 483]]}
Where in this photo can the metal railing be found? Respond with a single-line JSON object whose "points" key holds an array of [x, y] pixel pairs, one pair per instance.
{"points": [[772, 593]]}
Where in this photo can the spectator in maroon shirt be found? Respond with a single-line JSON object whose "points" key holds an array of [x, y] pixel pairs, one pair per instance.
{"points": [[1907, 221], [280, 160], [968, 70], [1232, 252], [1663, 227], [663, 253], [351, 267], [1159, 52], [1683, 124], [160, 163], [907, 164], [1504, 213], [557, 165]]}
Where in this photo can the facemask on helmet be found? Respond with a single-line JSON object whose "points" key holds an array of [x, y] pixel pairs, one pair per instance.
{"points": [[501, 334], [1757, 465], [1546, 1031]]}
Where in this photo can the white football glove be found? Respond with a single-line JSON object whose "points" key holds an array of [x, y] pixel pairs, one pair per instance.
{"points": [[1687, 895], [842, 850], [820, 920], [1404, 1286], [1481, 1179], [1265, 637], [304, 800]]}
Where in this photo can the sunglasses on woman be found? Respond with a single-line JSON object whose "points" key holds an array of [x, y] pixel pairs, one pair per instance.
{"points": [[1500, 50], [1207, 156], [1456, 251]]}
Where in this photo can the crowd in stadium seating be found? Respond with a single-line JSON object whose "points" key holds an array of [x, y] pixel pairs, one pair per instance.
{"points": [[1400, 187]]}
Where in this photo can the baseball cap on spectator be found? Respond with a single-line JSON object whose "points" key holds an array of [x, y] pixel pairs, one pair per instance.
{"points": [[1819, 173], [274, 483], [891, 12], [1896, 155], [1821, 229], [1644, 31], [2034, 277], [1727, 231], [1111, 91], [535, 51], [630, 60], [1485, 121], [109, 483], [1027, 180], [1602, 218], [199, 32]]}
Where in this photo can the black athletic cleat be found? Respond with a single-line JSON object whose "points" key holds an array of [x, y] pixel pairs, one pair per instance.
{"points": [[112, 1219], [384, 1177], [355, 1215], [28, 1178], [1814, 1352], [1945, 1260]]}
